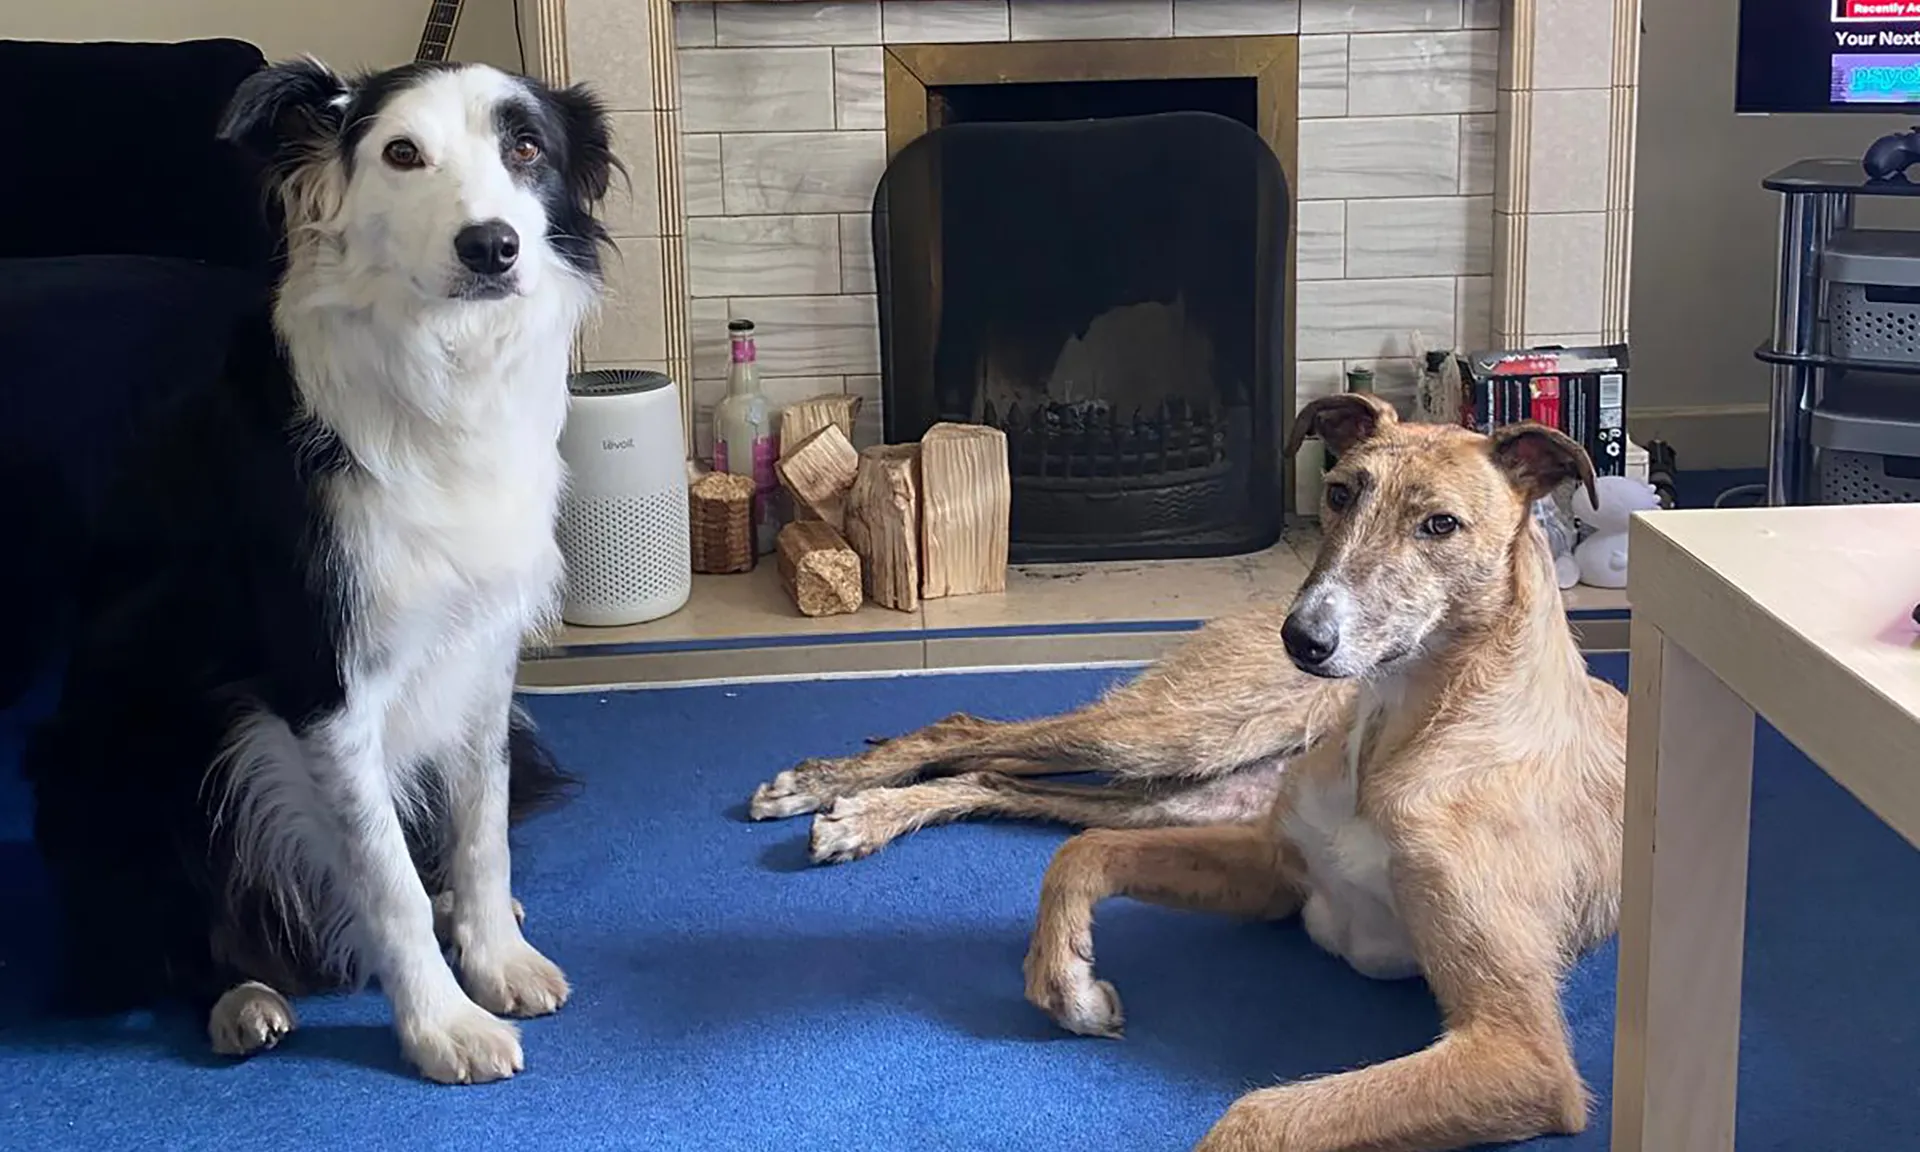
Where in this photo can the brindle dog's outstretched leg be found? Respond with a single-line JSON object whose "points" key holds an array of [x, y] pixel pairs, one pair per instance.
{"points": [[1228, 700]]}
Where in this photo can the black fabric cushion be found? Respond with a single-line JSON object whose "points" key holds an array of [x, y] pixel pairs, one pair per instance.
{"points": [[90, 346], [122, 158]]}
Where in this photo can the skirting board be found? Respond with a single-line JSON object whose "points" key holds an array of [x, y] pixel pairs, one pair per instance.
{"points": [[1706, 436]]}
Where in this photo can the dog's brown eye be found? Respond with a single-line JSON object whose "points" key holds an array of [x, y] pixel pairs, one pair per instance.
{"points": [[1338, 497], [1440, 524], [401, 153], [526, 150]]}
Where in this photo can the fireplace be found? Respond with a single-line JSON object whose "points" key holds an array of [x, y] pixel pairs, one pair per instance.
{"points": [[1099, 266]]}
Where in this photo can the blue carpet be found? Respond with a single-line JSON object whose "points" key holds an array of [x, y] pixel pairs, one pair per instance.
{"points": [[730, 997]]}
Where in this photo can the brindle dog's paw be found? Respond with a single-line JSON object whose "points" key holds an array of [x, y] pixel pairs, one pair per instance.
{"points": [[1067, 991], [795, 792], [851, 828]]}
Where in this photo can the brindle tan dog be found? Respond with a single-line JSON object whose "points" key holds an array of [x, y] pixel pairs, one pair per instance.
{"points": [[1462, 821]]}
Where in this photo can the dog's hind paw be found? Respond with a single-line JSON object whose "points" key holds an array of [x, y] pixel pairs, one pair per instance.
{"points": [[249, 1018], [520, 982], [463, 1045], [1075, 1000], [851, 828], [794, 792]]}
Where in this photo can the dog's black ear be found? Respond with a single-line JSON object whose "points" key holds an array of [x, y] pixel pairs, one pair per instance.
{"points": [[1342, 421], [298, 102], [1538, 459], [590, 160]]}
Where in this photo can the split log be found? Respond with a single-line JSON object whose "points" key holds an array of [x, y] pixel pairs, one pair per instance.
{"points": [[966, 503], [883, 524], [803, 419], [817, 473], [720, 509], [817, 569]]}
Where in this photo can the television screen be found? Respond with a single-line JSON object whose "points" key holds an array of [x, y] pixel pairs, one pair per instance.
{"points": [[1828, 56]]}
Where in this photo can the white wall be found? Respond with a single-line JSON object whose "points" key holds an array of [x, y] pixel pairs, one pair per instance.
{"points": [[345, 33], [1704, 232]]}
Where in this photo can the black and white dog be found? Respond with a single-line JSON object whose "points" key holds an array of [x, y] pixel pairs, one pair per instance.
{"points": [[288, 717]]}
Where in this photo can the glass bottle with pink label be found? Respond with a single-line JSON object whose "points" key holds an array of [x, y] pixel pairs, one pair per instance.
{"points": [[743, 433]]}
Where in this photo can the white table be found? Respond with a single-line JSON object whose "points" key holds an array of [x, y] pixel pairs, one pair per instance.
{"points": [[1802, 615]]}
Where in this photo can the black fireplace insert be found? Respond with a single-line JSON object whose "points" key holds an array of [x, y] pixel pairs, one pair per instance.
{"points": [[1109, 291]]}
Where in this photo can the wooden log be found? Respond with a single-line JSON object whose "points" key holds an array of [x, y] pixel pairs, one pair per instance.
{"points": [[803, 419], [817, 569], [720, 512], [817, 474], [883, 524], [966, 502]]}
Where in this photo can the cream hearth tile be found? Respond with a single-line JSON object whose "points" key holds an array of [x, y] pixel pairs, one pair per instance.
{"points": [[1323, 76], [856, 253], [1138, 590], [752, 89], [1564, 339], [1235, 17], [1566, 264], [1379, 15], [817, 335], [1473, 313], [1313, 379], [1566, 159], [868, 428], [1368, 319], [1571, 40], [859, 89], [1479, 163], [1444, 236], [608, 47], [738, 255], [631, 325], [788, 25], [786, 391], [707, 324], [700, 175], [780, 172], [1321, 240], [633, 205], [949, 22], [693, 25], [1485, 13], [1379, 156], [1080, 20], [1419, 73]]}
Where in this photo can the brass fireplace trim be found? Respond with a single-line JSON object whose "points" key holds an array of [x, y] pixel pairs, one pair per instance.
{"points": [[914, 72]]}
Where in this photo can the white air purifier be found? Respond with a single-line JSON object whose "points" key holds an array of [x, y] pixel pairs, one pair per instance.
{"points": [[623, 522]]}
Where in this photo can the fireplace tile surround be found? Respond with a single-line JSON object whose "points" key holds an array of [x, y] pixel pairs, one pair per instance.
{"points": [[1464, 170]]}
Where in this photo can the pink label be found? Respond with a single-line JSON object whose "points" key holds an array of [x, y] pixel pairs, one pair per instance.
{"points": [[720, 456], [743, 351]]}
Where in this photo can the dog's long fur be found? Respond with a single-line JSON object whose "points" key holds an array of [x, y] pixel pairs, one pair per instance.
{"points": [[288, 714], [1413, 758]]}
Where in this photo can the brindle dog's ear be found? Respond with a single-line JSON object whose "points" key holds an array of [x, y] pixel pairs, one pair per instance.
{"points": [[1342, 421], [1538, 459]]}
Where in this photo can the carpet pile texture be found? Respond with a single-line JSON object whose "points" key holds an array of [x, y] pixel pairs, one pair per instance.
{"points": [[730, 996]]}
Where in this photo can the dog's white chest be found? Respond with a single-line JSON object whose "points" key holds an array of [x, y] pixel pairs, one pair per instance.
{"points": [[1350, 909]]}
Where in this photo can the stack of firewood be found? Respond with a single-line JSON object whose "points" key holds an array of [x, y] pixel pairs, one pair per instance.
{"points": [[893, 524]]}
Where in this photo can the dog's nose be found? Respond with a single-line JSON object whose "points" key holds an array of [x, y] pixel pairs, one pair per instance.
{"points": [[1310, 638], [488, 247]]}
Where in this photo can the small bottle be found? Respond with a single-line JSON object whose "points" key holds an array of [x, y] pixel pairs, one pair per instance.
{"points": [[743, 435]]}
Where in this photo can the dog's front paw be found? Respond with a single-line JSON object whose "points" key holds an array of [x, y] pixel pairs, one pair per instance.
{"points": [[851, 828], [515, 980], [249, 1018], [1064, 987], [795, 792], [462, 1045]]}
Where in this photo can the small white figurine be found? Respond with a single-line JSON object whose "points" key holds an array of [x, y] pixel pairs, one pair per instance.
{"points": [[1602, 556]]}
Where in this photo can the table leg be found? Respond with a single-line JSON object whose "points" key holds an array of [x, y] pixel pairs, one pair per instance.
{"points": [[1683, 909]]}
